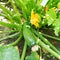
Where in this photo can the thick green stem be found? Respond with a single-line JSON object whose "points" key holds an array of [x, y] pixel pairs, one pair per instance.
{"points": [[10, 36], [16, 42], [24, 51], [47, 48], [46, 41], [50, 36]]}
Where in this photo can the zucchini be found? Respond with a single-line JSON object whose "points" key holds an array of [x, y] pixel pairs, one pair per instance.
{"points": [[29, 36]]}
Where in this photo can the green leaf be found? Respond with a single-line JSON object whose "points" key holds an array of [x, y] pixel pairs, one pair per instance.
{"points": [[33, 56], [9, 53], [51, 16], [56, 25], [16, 18]]}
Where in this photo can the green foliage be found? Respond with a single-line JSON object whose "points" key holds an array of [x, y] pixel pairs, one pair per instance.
{"points": [[56, 25], [9, 53], [19, 20], [51, 16], [33, 56]]}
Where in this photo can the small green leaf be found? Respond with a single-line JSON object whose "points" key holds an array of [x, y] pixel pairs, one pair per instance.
{"points": [[56, 25], [33, 56], [9, 53], [51, 16]]}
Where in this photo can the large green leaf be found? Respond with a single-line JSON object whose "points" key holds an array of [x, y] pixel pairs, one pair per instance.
{"points": [[9, 53]]}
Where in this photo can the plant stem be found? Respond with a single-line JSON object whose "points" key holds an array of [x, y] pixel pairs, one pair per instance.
{"points": [[8, 31], [24, 51], [8, 2], [10, 36], [9, 25], [45, 41], [48, 49], [40, 53], [14, 43], [50, 36]]}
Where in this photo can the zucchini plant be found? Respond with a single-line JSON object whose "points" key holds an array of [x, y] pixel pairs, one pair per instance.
{"points": [[26, 20]]}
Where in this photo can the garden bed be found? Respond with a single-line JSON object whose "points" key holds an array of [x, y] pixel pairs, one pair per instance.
{"points": [[29, 30]]}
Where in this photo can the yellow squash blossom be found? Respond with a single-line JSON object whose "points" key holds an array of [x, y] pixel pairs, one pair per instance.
{"points": [[35, 19]]}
